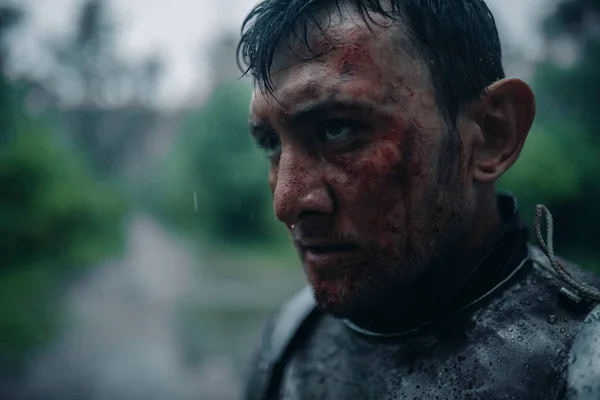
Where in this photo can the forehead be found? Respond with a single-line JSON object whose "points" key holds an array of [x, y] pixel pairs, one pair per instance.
{"points": [[349, 58]]}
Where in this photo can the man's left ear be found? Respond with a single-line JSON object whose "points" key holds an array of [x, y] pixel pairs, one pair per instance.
{"points": [[506, 113]]}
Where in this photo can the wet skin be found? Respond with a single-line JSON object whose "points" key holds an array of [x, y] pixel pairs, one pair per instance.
{"points": [[365, 173]]}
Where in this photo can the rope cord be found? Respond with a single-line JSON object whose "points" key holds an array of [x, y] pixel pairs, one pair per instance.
{"points": [[548, 249]]}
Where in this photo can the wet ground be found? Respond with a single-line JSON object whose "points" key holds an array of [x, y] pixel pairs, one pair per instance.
{"points": [[161, 324]]}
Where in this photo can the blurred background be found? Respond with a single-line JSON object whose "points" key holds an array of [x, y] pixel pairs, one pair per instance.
{"points": [[138, 252]]}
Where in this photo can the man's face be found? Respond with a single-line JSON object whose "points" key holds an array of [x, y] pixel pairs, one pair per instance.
{"points": [[364, 171]]}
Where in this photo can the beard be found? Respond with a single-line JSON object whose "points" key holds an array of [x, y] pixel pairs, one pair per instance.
{"points": [[378, 283]]}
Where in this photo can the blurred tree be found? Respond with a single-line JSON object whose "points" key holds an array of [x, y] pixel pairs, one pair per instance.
{"points": [[110, 99], [9, 17], [54, 220], [148, 78], [89, 59], [214, 181], [559, 165], [568, 82]]}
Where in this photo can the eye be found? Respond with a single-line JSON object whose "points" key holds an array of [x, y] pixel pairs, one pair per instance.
{"points": [[339, 129], [270, 144]]}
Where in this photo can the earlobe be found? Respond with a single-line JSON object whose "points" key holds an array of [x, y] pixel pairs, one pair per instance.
{"points": [[507, 112]]}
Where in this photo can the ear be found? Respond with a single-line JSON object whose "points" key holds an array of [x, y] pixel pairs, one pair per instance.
{"points": [[505, 115]]}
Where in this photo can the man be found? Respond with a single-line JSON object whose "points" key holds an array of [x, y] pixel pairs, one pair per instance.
{"points": [[387, 124]]}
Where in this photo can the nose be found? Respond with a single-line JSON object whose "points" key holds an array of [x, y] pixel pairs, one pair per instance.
{"points": [[300, 187]]}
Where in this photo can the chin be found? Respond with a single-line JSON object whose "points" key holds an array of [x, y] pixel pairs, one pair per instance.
{"points": [[343, 297], [364, 290]]}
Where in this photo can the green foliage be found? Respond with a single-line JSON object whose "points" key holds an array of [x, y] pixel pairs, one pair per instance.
{"points": [[50, 202], [54, 220], [559, 166], [215, 180], [569, 94]]}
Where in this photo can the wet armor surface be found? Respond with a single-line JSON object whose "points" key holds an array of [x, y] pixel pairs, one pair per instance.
{"points": [[584, 363], [509, 335]]}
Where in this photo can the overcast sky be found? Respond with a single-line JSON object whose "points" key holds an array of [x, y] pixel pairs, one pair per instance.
{"points": [[180, 30]]}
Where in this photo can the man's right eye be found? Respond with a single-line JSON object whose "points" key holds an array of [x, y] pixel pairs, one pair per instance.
{"points": [[270, 144]]}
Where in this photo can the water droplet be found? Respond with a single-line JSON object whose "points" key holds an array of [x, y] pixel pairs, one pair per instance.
{"points": [[520, 382], [565, 320], [526, 366], [510, 329], [520, 338], [552, 318], [500, 359], [562, 330], [530, 351], [521, 323]]}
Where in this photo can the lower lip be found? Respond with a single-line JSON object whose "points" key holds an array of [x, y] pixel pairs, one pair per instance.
{"points": [[329, 260]]}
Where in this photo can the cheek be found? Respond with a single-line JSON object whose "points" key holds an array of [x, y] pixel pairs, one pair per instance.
{"points": [[372, 184], [383, 186]]}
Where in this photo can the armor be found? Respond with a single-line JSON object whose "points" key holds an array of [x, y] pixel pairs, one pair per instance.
{"points": [[583, 379], [513, 332]]}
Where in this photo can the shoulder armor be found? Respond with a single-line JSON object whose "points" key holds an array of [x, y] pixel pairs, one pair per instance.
{"points": [[280, 335], [583, 379]]}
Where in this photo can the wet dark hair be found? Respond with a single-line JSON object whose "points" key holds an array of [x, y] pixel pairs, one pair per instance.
{"points": [[458, 39]]}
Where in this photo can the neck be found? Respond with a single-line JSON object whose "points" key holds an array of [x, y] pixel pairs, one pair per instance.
{"points": [[429, 297]]}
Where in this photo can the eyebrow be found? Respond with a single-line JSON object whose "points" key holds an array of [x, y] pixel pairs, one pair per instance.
{"points": [[258, 127], [311, 110]]}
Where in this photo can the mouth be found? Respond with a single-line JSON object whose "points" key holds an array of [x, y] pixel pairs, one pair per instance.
{"points": [[330, 258], [328, 249]]}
